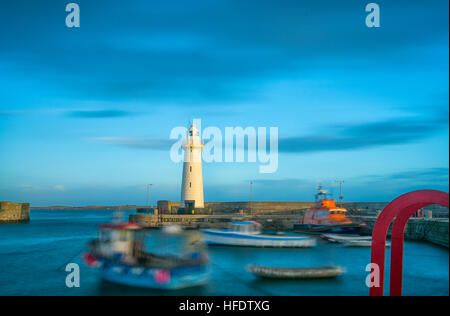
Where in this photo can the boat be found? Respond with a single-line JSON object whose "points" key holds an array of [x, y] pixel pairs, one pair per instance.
{"points": [[295, 273], [336, 238], [249, 234], [350, 241], [119, 253], [361, 243], [172, 229], [326, 217]]}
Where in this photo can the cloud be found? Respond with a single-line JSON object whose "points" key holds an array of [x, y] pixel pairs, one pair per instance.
{"points": [[140, 143], [369, 187], [59, 187], [282, 182], [12, 113], [386, 187], [426, 176], [45, 188], [369, 135], [98, 114], [191, 51], [337, 138]]}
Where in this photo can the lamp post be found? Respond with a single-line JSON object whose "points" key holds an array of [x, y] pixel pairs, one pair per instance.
{"points": [[148, 192], [251, 208], [340, 190]]}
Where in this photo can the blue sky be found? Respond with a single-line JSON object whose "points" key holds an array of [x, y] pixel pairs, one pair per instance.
{"points": [[84, 111]]}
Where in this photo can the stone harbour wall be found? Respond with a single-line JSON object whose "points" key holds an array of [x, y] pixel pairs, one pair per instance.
{"points": [[14, 212], [269, 222], [263, 207], [434, 230]]}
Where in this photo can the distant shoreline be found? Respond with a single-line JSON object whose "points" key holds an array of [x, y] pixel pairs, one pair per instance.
{"points": [[89, 207]]}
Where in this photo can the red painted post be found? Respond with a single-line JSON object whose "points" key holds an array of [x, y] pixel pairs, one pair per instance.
{"points": [[401, 208], [397, 240], [379, 235]]}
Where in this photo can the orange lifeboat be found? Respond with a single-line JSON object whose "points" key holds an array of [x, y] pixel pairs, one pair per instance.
{"points": [[326, 217]]}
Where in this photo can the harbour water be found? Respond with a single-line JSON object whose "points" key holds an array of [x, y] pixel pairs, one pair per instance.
{"points": [[33, 257]]}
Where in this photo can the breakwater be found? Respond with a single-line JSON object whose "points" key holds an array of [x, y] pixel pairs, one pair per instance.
{"points": [[268, 207], [242, 208], [434, 230], [14, 212], [285, 208], [269, 222]]}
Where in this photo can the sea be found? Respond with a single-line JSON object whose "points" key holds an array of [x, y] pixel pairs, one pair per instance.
{"points": [[34, 257]]}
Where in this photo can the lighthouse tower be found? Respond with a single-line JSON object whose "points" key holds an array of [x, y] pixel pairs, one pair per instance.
{"points": [[192, 184]]}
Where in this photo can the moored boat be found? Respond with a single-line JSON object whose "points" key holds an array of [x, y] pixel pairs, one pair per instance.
{"points": [[326, 217], [119, 253], [172, 229], [295, 273], [350, 241], [250, 234], [361, 243], [335, 238]]}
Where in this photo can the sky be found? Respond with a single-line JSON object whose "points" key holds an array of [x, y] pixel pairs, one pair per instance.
{"points": [[86, 113]]}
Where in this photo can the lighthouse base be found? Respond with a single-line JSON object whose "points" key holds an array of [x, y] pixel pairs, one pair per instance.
{"points": [[195, 211]]}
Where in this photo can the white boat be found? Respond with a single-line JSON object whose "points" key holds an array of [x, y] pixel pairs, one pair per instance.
{"points": [[173, 229], [343, 239], [362, 243], [249, 234], [350, 241]]}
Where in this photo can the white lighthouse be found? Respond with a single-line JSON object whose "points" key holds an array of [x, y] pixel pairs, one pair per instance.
{"points": [[192, 184]]}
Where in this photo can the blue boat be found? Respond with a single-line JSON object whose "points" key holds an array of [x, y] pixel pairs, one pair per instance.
{"points": [[120, 256]]}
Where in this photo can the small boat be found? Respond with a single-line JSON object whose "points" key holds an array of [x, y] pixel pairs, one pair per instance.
{"points": [[295, 273], [335, 238], [325, 217], [119, 253], [250, 234], [361, 243], [172, 229]]}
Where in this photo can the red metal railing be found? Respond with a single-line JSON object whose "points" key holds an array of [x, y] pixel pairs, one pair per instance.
{"points": [[400, 209]]}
